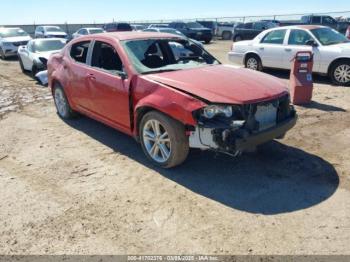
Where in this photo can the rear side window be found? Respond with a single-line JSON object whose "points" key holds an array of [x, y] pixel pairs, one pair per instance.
{"points": [[248, 26], [299, 37], [79, 51], [105, 57], [275, 37], [316, 20]]}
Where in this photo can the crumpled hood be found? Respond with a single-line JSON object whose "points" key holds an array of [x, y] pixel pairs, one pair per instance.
{"points": [[224, 84], [16, 39]]}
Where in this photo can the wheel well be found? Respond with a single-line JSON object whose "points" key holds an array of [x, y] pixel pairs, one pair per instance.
{"points": [[336, 61], [248, 55]]}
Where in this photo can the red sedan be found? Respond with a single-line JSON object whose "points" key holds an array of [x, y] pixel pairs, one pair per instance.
{"points": [[168, 93]]}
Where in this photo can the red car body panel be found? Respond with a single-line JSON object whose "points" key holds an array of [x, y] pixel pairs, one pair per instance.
{"points": [[224, 84], [117, 102]]}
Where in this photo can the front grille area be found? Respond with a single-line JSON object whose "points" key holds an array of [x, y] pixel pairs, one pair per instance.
{"points": [[20, 43]]}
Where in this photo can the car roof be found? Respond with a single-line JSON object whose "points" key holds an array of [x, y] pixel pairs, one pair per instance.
{"points": [[132, 35], [307, 27]]}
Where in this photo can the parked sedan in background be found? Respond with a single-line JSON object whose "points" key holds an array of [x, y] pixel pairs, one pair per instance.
{"points": [[33, 56], [171, 31], [117, 27], [276, 48], [248, 31], [87, 31], [50, 32], [133, 83], [10, 40], [193, 30]]}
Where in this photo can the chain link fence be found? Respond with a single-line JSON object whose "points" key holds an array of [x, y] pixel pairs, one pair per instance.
{"points": [[70, 28]]}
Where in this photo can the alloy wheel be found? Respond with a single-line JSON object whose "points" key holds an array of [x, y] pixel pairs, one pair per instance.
{"points": [[61, 102], [157, 141]]}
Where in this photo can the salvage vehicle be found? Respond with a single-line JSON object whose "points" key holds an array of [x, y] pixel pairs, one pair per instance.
{"points": [[193, 30], [133, 83], [50, 32], [276, 48], [87, 31], [10, 40], [33, 56], [248, 31], [117, 27]]}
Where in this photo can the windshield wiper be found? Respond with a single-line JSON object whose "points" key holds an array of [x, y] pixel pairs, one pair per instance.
{"points": [[159, 71]]}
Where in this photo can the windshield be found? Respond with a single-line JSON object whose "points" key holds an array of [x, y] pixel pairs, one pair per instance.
{"points": [[53, 29], [96, 31], [48, 45], [194, 25], [161, 55], [12, 32], [328, 36]]}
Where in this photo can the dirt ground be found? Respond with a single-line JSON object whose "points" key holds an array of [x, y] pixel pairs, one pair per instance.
{"points": [[79, 187]]}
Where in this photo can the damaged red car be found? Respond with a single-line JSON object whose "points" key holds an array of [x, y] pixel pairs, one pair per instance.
{"points": [[168, 93]]}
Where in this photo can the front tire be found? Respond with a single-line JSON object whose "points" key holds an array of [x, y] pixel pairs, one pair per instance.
{"points": [[2, 54], [237, 38], [163, 140], [64, 110], [253, 62], [340, 73]]}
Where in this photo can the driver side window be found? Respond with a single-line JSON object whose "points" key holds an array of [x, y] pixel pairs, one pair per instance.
{"points": [[106, 58], [299, 37]]}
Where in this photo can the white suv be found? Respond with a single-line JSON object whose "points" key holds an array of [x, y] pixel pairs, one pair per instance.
{"points": [[10, 40], [49, 32]]}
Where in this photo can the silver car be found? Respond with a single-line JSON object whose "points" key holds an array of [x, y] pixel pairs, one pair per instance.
{"points": [[10, 40]]}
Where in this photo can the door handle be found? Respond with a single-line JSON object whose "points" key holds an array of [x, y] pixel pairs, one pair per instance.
{"points": [[288, 49]]}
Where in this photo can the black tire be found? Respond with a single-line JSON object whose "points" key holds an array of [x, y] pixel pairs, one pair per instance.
{"points": [[207, 41], [21, 65], [179, 142], [237, 38], [35, 70], [66, 112], [334, 72], [2, 54], [226, 35], [250, 64]]}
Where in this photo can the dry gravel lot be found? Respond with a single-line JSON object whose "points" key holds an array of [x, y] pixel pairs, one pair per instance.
{"points": [[79, 187]]}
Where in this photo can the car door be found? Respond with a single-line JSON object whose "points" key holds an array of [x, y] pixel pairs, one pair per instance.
{"points": [[76, 67], [271, 48], [298, 41], [107, 83]]}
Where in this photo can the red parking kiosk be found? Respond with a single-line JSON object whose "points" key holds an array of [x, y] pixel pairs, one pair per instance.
{"points": [[301, 83]]}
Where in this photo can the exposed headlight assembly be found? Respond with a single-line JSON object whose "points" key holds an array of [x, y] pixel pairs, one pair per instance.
{"points": [[212, 111]]}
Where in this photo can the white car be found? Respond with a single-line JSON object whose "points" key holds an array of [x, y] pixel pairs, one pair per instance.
{"points": [[34, 56], [10, 40], [50, 32], [87, 31], [276, 48]]}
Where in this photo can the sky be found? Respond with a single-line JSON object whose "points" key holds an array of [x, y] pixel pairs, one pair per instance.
{"points": [[89, 11]]}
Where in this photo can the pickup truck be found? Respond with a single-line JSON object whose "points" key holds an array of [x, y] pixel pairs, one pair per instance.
{"points": [[324, 20]]}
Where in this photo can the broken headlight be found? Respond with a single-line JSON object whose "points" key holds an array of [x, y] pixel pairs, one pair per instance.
{"points": [[212, 111]]}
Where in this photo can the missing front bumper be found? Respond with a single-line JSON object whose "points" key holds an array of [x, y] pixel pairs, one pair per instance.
{"points": [[233, 141]]}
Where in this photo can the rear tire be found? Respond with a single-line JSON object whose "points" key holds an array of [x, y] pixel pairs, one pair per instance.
{"points": [[163, 140], [340, 73], [35, 70], [253, 62], [237, 38], [2, 54], [63, 107], [226, 35]]}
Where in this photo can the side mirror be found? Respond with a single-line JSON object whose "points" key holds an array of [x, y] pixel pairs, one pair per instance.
{"points": [[123, 75], [312, 43]]}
